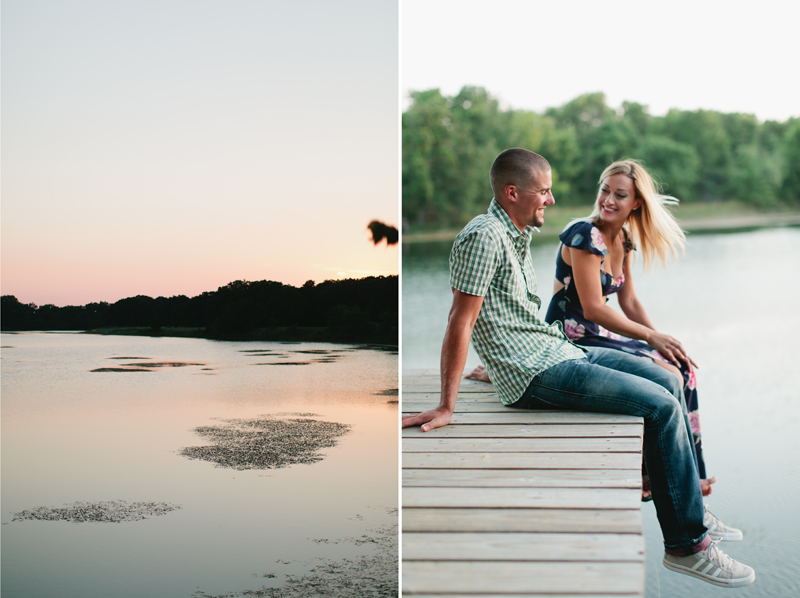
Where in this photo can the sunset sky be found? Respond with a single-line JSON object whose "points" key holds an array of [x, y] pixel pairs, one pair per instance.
{"points": [[165, 148]]}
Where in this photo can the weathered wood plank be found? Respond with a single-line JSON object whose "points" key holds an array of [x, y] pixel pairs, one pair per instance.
{"points": [[515, 595], [430, 444], [523, 547], [436, 387], [516, 478], [522, 461], [531, 430], [510, 415], [522, 520], [552, 498], [476, 577]]}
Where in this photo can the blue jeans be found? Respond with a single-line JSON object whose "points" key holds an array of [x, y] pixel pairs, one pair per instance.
{"points": [[610, 381]]}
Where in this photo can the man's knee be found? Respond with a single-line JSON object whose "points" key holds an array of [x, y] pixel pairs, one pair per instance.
{"points": [[668, 409]]}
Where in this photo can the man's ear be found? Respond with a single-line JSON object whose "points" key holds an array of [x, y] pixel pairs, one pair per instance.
{"points": [[510, 192]]}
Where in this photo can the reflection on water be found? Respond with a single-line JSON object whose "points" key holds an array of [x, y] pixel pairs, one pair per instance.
{"points": [[732, 301], [90, 448]]}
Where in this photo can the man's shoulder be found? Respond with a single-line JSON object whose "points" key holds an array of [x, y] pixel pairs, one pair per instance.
{"points": [[484, 225]]}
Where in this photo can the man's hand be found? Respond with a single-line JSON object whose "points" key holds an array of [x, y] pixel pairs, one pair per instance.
{"points": [[460, 322], [435, 418]]}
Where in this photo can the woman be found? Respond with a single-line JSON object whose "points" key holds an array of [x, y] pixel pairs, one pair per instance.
{"points": [[594, 260]]}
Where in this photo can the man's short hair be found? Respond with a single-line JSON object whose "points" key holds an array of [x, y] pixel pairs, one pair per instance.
{"points": [[516, 166]]}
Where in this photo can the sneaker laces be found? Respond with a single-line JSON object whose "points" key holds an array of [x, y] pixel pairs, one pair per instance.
{"points": [[715, 554], [714, 520]]}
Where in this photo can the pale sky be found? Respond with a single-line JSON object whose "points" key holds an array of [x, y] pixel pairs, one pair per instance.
{"points": [[531, 54], [169, 147]]}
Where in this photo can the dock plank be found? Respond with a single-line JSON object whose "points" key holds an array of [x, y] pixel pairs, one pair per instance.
{"points": [[544, 498], [443, 577], [500, 414], [518, 546], [509, 502], [522, 520], [527, 430], [522, 460], [500, 444], [523, 478]]}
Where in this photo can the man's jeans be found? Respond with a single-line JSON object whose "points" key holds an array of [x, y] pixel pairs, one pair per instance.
{"points": [[610, 381]]}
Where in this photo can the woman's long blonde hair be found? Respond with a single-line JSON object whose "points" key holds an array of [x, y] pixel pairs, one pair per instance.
{"points": [[652, 226]]}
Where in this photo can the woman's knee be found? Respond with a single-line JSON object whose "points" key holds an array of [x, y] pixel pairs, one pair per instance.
{"points": [[671, 368]]}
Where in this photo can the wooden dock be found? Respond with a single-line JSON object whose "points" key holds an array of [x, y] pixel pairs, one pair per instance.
{"points": [[525, 503]]}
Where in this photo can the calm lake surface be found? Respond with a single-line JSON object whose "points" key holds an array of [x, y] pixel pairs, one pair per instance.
{"points": [[73, 435], [734, 302]]}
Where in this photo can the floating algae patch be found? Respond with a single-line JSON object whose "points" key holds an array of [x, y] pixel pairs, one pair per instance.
{"points": [[162, 364], [109, 511], [389, 392], [374, 575], [129, 357], [291, 413], [268, 442], [285, 363], [121, 370], [255, 351]]}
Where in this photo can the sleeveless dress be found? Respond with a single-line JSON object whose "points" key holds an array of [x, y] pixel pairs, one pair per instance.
{"points": [[565, 306]]}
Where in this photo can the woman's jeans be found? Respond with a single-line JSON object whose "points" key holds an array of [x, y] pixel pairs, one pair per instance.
{"points": [[611, 381]]}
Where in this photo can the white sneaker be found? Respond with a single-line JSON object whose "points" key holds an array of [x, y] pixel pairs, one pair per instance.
{"points": [[718, 530], [712, 566]]}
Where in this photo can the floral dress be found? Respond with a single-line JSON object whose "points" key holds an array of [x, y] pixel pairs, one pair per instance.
{"points": [[565, 306]]}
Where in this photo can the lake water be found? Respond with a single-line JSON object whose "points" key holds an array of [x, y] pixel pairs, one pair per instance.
{"points": [[733, 302], [72, 435]]}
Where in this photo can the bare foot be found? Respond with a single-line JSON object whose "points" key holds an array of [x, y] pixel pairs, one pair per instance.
{"points": [[646, 493], [479, 373], [705, 485]]}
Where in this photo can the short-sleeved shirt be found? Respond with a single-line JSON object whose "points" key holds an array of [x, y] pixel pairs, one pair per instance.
{"points": [[491, 258]]}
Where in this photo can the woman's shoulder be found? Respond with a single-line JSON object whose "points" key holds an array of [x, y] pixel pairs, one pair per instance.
{"points": [[584, 235]]}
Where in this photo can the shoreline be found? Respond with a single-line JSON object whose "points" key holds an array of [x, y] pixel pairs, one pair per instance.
{"points": [[279, 336], [739, 222]]}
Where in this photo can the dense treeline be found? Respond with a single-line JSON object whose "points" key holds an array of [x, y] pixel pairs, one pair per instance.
{"points": [[449, 142], [363, 310]]}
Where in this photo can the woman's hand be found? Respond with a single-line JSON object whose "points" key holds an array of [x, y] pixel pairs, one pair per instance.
{"points": [[479, 373], [670, 348]]}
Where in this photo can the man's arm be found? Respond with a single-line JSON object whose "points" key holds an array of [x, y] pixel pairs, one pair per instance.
{"points": [[463, 314]]}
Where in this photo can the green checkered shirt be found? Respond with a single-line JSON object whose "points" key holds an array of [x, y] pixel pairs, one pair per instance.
{"points": [[491, 258]]}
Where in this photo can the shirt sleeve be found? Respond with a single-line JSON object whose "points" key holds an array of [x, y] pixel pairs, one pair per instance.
{"points": [[584, 235], [474, 261]]}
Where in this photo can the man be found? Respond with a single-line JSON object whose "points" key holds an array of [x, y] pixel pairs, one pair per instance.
{"points": [[534, 365]]}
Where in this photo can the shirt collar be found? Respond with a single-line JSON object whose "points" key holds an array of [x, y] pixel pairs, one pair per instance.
{"points": [[496, 210]]}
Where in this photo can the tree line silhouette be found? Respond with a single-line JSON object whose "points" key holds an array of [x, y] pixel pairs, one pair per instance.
{"points": [[350, 310]]}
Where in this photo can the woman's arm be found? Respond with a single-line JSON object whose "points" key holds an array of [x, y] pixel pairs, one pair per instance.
{"points": [[628, 301], [586, 274]]}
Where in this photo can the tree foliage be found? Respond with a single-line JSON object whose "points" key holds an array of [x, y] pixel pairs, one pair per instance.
{"points": [[350, 310], [449, 142]]}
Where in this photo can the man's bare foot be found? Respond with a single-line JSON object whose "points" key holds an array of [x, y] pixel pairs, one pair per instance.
{"points": [[705, 485], [479, 373], [646, 493]]}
